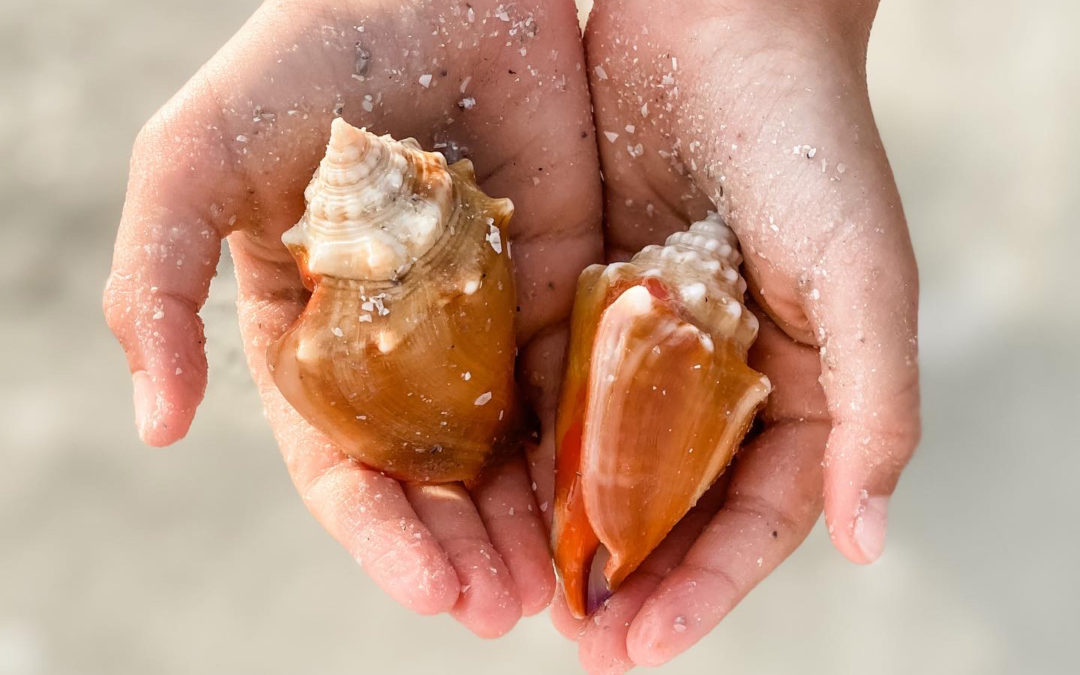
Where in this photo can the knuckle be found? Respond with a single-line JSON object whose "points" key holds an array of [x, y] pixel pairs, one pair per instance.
{"points": [[723, 581], [899, 441], [757, 510], [466, 549], [149, 134], [116, 304]]}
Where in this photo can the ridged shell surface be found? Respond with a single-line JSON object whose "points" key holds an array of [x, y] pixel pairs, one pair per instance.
{"points": [[701, 265], [374, 206]]}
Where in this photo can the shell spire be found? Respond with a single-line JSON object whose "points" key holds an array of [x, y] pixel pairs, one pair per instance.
{"points": [[404, 355], [702, 265], [656, 399], [375, 206]]}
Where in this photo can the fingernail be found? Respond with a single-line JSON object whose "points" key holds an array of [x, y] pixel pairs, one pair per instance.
{"points": [[871, 521], [144, 400], [598, 591]]}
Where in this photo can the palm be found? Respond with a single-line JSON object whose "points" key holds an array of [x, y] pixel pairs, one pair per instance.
{"points": [[772, 128], [230, 156]]}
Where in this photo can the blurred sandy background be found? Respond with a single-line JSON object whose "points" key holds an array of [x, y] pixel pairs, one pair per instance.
{"points": [[117, 559]]}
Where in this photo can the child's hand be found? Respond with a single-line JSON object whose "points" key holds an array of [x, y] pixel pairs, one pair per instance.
{"points": [[762, 109], [230, 155]]}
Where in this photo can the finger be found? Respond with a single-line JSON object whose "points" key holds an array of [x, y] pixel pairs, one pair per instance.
{"points": [[569, 626], [506, 504], [603, 643], [166, 253], [828, 255], [488, 604], [542, 366], [772, 503], [367, 512], [191, 183], [795, 371], [370, 516], [866, 320], [602, 636]]}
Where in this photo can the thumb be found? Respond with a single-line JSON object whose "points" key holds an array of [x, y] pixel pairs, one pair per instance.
{"points": [[865, 317], [166, 253]]}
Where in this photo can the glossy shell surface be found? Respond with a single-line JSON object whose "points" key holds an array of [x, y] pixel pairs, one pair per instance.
{"points": [[656, 400], [404, 355]]}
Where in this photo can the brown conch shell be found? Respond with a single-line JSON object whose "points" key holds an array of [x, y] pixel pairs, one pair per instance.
{"points": [[404, 355], [656, 398]]}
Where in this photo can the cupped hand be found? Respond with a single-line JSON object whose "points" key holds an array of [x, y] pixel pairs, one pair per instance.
{"points": [[761, 111], [229, 157]]}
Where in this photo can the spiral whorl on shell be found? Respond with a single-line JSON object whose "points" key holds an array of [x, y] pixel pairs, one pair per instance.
{"points": [[404, 355], [701, 265], [656, 399]]}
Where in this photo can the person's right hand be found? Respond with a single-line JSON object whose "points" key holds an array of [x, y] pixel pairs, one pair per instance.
{"points": [[230, 155]]}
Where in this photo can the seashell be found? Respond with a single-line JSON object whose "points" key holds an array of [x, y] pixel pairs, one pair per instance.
{"points": [[404, 355], [656, 399]]}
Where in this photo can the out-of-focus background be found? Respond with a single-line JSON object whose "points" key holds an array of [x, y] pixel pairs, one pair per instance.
{"points": [[117, 559]]}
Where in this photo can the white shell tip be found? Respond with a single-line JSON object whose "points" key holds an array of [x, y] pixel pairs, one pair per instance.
{"points": [[375, 206]]}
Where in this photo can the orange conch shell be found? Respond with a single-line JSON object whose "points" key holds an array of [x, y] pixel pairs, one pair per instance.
{"points": [[656, 399], [404, 355]]}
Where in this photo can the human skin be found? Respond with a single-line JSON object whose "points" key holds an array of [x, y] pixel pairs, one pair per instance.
{"points": [[229, 157], [827, 258], [761, 110]]}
